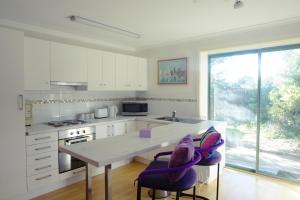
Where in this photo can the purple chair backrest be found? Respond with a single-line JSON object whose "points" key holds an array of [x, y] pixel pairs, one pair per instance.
{"points": [[183, 153]]}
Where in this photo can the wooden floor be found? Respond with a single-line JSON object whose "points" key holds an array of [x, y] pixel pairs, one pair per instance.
{"points": [[234, 185]]}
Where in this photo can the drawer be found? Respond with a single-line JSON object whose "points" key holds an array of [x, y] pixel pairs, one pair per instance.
{"points": [[43, 157], [42, 179], [41, 138], [42, 148], [73, 173], [42, 167]]}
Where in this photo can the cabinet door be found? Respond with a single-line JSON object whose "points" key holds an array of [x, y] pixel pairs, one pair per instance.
{"points": [[36, 64], [130, 126], [121, 72], [118, 128], [132, 72], [102, 131], [94, 62], [108, 70], [142, 74], [12, 143], [68, 63]]}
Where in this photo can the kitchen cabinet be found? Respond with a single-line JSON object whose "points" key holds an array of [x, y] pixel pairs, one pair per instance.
{"points": [[142, 74], [121, 72], [68, 63], [108, 70], [36, 64], [12, 122], [111, 129], [42, 159], [131, 73], [101, 70], [130, 126]]}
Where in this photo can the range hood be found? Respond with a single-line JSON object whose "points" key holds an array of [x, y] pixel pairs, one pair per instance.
{"points": [[60, 83]]}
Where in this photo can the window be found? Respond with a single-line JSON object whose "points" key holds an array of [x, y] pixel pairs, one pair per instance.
{"points": [[258, 94]]}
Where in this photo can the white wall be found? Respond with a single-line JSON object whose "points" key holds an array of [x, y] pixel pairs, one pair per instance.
{"points": [[198, 73]]}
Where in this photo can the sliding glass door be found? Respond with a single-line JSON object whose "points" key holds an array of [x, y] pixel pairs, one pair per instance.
{"points": [[279, 152], [258, 94]]}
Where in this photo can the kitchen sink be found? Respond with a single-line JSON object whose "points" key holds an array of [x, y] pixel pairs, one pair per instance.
{"points": [[182, 120]]}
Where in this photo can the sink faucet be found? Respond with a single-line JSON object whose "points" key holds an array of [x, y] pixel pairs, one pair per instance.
{"points": [[173, 114]]}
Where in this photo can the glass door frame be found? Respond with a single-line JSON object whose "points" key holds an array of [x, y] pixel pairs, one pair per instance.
{"points": [[259, 52]]}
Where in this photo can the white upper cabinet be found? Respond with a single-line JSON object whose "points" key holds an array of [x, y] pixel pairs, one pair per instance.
{"points": [[47, 61], [131, 73], [121, 72], [108, 70], [94, 60], [68, 63], [36, 64], [142, 74], [101, 70]]}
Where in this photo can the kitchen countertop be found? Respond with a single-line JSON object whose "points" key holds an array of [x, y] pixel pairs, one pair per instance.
{"points": [[112, 149], [44, 128]]}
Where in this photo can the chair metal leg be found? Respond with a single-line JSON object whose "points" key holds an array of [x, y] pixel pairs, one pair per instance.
{"points": [[194, 193], [138, 193], [153, 194], [218, 174], [177, 195]]}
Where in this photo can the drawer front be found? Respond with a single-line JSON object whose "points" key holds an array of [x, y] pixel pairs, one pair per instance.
{"points": [[41, 158], [42, 179], [73, 173], [42, 148], [41, 138], [42, 167]]}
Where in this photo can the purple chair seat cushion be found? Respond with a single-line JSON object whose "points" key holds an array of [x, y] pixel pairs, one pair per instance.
{"points": [[183, 153], [213, 159], [162, 181]]}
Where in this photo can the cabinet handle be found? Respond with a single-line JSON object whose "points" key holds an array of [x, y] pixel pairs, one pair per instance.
{"points": [[43, 177], [42, 148], [42, 138], [41, 168], [42, 158], [79, 171], [47, 83], [20, 102]]}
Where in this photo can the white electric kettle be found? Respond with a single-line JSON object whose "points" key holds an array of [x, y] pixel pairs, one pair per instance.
{"points": [[113, 111]]}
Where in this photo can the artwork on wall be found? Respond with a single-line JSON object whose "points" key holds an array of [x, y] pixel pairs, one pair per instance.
{"points": [[173, 71]]}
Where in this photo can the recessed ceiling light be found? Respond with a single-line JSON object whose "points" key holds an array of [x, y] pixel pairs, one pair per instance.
{"points": [[238, 4]]}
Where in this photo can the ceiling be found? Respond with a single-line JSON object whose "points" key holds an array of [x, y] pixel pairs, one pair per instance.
{"points": [[158, 21]]}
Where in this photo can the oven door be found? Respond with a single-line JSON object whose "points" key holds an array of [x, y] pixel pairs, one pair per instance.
{"points": [[65, 161]]}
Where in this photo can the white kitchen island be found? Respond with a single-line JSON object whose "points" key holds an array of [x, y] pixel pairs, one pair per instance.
{"points": [[106, 151]]}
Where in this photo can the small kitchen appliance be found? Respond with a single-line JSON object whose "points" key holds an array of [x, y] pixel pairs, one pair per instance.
{"points": [[101, 113], [113, 111], [134, 108]]}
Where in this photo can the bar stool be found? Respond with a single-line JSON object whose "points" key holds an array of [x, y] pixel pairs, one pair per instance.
{"points": [[209, 143]]}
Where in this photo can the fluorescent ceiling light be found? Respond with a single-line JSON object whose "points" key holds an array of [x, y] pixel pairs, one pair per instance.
{"points": [[94, 23]]}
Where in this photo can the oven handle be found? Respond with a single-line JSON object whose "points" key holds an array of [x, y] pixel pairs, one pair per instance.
{"points": [[82, 139]]}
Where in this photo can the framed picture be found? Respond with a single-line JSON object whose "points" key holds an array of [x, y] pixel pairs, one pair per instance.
{"points": [[173, 71]]}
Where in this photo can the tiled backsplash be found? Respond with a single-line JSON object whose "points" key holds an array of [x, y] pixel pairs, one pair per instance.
{"points": [[61, 105], [66, 104]]}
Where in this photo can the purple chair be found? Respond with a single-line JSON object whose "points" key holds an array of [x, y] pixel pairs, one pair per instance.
{"points": [[156, 176], [210, 157]]}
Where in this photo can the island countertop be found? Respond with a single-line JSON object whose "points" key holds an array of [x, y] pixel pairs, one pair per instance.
{"points": [[106, 151]]}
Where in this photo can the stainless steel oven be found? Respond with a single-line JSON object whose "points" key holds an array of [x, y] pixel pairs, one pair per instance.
{"points": [[73, 136]]}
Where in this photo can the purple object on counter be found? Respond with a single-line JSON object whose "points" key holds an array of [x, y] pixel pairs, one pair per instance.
{"points": [[145, 133]]}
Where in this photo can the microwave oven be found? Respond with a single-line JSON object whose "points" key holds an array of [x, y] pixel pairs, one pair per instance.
{"points": [[134, 109]]}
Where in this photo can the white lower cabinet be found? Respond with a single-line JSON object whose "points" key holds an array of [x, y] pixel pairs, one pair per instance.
{"points": [[111, 129], [41, 179], [42, 159]]}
